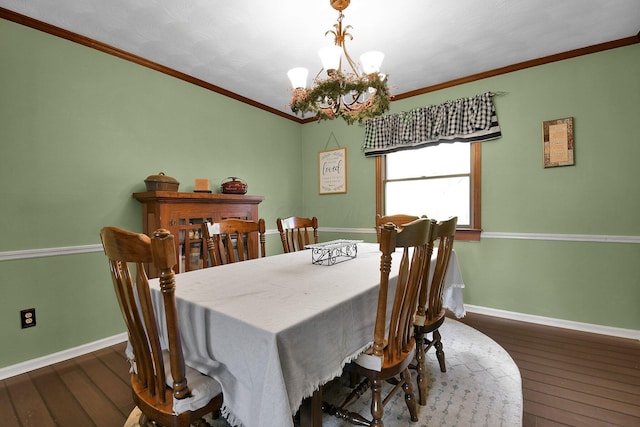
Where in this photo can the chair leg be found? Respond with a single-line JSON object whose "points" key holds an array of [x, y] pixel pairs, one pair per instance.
{"points": [[439, 353], [421, 368], [354, 379], [355, 394], [377, 409], [351, 417], [144, 421], [342, 412], [409, 396]]}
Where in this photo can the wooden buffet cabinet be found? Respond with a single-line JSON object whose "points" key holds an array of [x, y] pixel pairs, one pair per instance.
{"points": [[183, 213]]}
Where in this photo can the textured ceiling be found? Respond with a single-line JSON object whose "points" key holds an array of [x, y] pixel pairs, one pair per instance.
{"points": [[247, 46]]}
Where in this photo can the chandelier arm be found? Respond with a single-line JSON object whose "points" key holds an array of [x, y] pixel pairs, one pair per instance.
{"points": [[353, 105], [354, 68], [335, 35]]}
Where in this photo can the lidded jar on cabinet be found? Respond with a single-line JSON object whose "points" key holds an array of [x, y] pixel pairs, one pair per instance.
{"points": [[161, 182], [235, 186]]}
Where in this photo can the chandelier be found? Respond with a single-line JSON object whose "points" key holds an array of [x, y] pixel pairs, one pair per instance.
{"points": [[353, 94]]}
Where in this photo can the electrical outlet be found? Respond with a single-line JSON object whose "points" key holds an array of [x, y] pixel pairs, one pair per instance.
{"points": [[28, 317]]}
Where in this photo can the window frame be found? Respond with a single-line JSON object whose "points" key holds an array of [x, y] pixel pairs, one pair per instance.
{"points": [[471, 233]]}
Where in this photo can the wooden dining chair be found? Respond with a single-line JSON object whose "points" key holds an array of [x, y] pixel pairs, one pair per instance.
{"points": [[294, 232], [166, 391], [232, 240], [398, 220], [431, 313], [387, 361]]}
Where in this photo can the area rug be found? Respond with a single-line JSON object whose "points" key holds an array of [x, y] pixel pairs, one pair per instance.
{"points": [[482, 387]]}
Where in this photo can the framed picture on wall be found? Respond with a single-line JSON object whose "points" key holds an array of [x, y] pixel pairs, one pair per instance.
{"points": [[332, 171], [558, 142]]}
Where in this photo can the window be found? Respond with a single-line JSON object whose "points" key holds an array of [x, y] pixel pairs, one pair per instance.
{"points": [[439, 181]]}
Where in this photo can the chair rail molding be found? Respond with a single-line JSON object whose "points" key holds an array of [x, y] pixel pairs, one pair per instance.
{"points": [[597, 238], [47, 252]]}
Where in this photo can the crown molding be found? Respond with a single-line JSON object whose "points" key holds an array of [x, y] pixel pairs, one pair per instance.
{"points": [[94, 44]]}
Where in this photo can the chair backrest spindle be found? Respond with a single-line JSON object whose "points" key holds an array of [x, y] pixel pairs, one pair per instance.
{"points": [[156, 399], [232, 240], [413, 238], [397, 219], [444, 235], [294, 232], [123, 247]]}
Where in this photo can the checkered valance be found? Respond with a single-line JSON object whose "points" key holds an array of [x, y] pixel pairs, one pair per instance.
{"points": [[463, 120]]}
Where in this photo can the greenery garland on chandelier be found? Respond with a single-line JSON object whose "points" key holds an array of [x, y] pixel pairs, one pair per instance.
{"points": [[335, 88], [355, 96]]}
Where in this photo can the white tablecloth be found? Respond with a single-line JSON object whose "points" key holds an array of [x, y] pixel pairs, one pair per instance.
{"points": [[272, 330]]}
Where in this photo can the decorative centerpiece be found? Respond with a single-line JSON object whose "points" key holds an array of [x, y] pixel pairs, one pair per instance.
{"points": [[334, 251]]}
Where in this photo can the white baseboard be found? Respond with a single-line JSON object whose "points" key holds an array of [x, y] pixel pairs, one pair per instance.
{"points": [[50, 359], [30, 365], [560, 323]]}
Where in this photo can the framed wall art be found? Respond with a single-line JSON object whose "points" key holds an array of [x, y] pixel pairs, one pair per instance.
{"points": [[332, 171], [558, 143]]}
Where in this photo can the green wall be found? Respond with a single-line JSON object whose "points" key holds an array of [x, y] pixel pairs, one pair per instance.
{"points": [[591, 282], [80, 131]]}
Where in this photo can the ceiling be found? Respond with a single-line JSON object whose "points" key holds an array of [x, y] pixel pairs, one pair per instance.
{"points": [[247, 46]]}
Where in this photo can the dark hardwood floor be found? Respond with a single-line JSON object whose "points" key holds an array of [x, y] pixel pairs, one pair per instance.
{"points": [[569, 378], [90, 390]]}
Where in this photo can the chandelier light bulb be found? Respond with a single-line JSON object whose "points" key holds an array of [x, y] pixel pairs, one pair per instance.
{"points": [[330, 57], [371, 61], [298, 77]]}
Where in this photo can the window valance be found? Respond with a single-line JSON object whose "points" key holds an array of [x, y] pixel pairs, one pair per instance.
{"points": [[463, 120]]}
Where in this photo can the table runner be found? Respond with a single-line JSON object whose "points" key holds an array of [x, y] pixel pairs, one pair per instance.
{"points": [[272, 330]]}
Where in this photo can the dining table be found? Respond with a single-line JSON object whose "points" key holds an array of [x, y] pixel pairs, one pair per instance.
{"points": [[273, 330]]}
